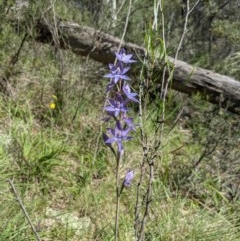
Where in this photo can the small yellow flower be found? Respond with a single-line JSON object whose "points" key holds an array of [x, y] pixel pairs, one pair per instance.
{"points": [[52, 105]]}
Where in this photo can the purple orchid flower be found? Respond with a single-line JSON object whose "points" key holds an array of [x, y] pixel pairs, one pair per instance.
{"points": [[117, 72], [118, 135], [130, 95], [130, 124], [117, 106], [125, 58], [128, 178]]}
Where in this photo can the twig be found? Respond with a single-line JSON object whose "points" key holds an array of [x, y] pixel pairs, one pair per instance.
{"points": [[120, 8], [138, 205], [150, 153], [144, 148], [148, 199], [126, 25], [165, 70], [184, 28], [24, 209], [114, 13], [171, 71], [14, 59]]}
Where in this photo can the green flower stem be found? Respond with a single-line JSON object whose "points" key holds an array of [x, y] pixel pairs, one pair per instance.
{"points": [[119, 158]]}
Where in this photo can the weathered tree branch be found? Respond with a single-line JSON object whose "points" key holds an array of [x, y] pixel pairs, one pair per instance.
{"points": [[189, 79]]}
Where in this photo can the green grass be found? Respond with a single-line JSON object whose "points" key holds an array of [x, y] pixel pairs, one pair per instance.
{"points": [[56, 165], [65, 176]]}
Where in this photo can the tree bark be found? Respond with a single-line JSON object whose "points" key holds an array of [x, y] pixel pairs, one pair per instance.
{"points": [[189, 79]]}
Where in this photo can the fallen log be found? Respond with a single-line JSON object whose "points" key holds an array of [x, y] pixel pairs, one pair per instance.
{"points": [[189, 79]]}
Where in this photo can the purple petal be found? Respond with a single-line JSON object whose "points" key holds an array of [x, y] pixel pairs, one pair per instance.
{"points": [[111, 66], [116, 78], [125, 77], [105, 137], [110, 108], [118, 125], [128, 178], [120, 146], [111, 140], [123, 57], [129, 122], [109, 76], [127, 91], [125, 132], [125, 70], [111, 131], [126, 88]]}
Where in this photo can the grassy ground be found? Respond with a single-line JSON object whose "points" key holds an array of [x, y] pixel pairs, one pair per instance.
{"points": [[65, 176], [51, 149]]}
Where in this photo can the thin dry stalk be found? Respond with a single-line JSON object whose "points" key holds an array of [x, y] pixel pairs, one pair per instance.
{"points": [[148, 199], [184, 28], [24, 209], [145, 151], [149, 154]]}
